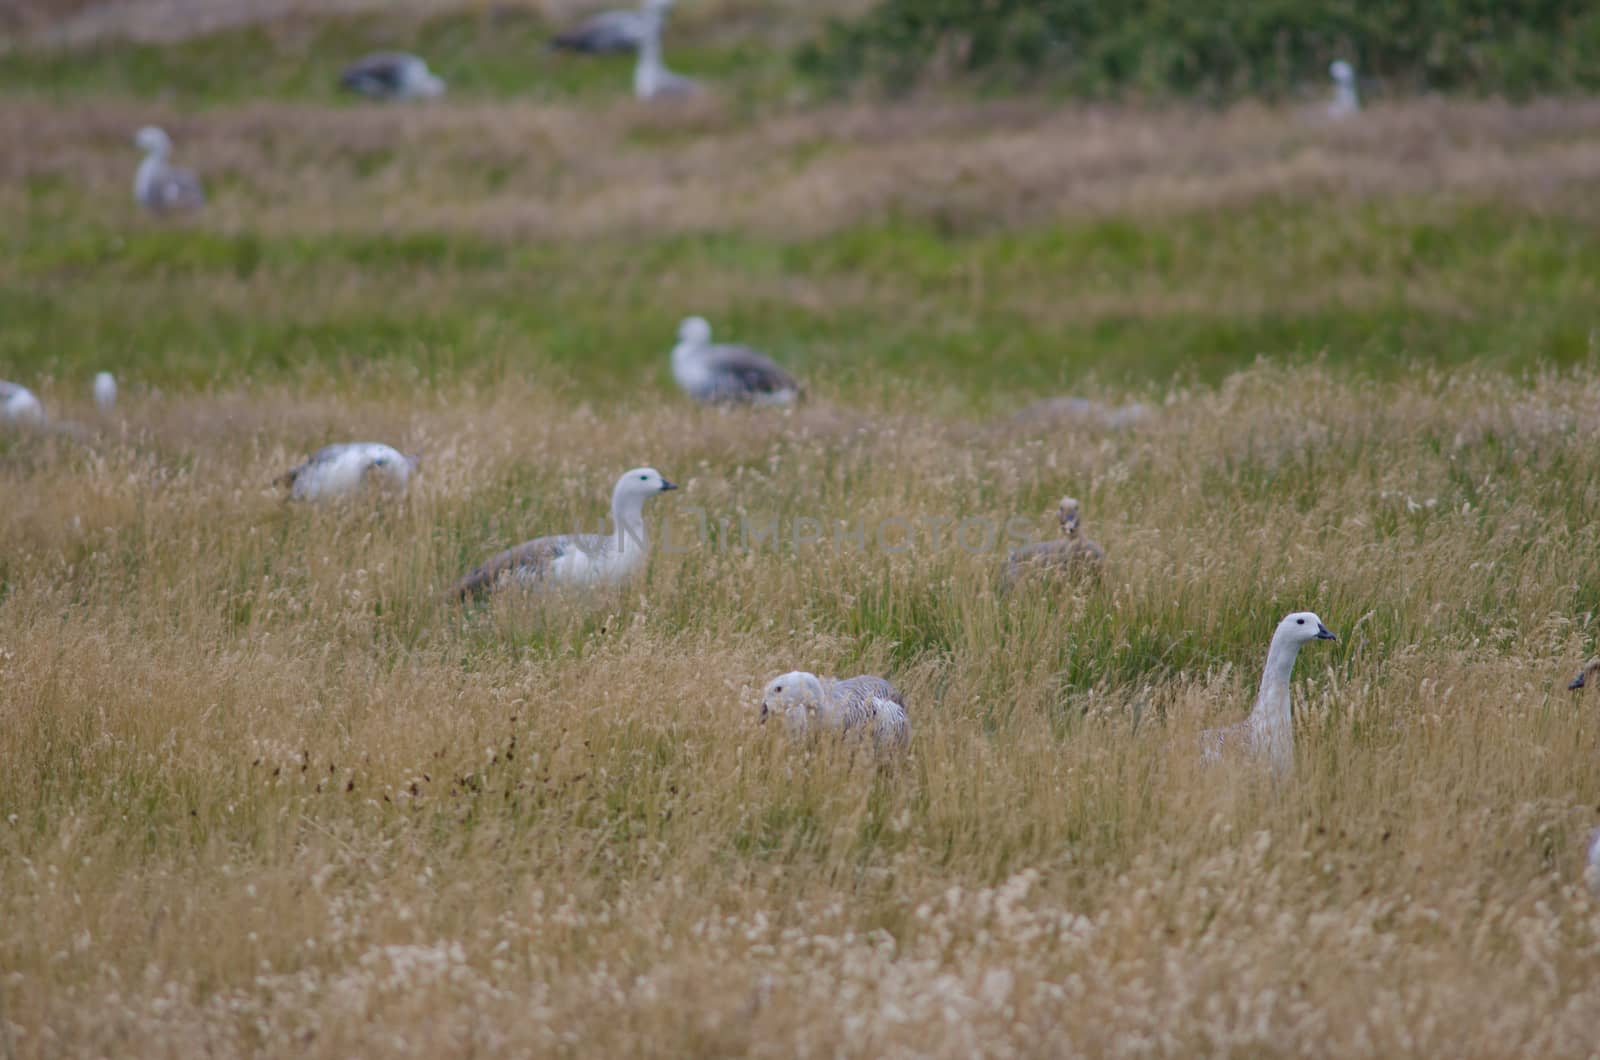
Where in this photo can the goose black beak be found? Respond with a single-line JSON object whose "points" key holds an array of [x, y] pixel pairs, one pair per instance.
{"points": [[1577, 682], [1324, 633], [665, 485]]}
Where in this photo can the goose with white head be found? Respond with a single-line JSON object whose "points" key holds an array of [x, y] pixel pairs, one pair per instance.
{"points": [[578, 559], [158, 185], [722, 373], [349, 468], [1346, 99], [867, 705], [1268, 733], [18, 405]]}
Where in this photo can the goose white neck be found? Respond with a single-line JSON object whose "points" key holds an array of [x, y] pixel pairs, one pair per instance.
{"points": [[1273, 697], [627, 520], [153, 165]]}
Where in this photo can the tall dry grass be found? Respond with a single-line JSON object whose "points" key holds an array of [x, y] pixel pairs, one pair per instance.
{"points": [[263, 793]]}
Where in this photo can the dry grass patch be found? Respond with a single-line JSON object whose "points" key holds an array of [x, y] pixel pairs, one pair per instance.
{"points": [[264, 793]]}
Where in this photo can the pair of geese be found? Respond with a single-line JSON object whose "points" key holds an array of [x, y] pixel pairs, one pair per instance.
{"points": [[403, 76]]}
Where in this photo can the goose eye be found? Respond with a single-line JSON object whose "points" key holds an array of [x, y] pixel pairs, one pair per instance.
{"points": [[778, 689], [644, 478], [1299, 621]]}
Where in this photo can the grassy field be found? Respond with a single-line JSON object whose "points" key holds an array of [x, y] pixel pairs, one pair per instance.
{"points": [[261, 792]]}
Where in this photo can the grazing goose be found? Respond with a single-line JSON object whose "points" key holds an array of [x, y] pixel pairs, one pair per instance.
{"points": [[1268, 732], [1590, 670], [651, 78], [614, 31], [159, 186], [715, 373], [578, 559], [344, 469], [18, 405], [1067, 555], [1346, 101], [391, 75], [105, 391], [863, 704]]}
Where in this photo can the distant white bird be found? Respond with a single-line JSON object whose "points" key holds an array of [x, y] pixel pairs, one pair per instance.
{"points": [[651, 78], [105, 391], [343, 469], [391, 75], [158, 185], [1268, 733], [1068, 554], [614, 31], [864, 704], [724, 373], [578, 559], [18, 405], [1346, 100]]}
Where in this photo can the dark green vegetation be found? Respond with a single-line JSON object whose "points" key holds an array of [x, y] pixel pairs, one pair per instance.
{"points": [[1223, 48]]}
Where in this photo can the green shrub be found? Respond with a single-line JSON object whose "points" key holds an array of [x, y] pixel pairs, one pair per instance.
{"points": [[1219, 49]]}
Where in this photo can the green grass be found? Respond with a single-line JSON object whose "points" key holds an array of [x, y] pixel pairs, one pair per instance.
{"points": [[1132, 302]]}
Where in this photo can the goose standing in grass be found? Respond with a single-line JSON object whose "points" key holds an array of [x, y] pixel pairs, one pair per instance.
{"points": [[1069, 554], [864, 704], [391, 75], [651, 78], [105, 391], [721, 373], [614, 31], [578, 559], [1346, 100], [344, 469], [1590, 671], [1268, 732], [159, 186], [18, 405]]}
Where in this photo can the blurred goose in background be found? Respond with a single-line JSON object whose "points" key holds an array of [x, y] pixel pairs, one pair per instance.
{"points": [[864, 704], [577, 559], [158, 185], [1268, 733], [105, 391], [1066, 555], [391, 75], [651, 78], [18, 405], [614, 31], [344, 469], [715, 373], [1346, 100]]}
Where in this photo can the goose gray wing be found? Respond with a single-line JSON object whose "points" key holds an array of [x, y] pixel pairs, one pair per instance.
{"points": [[745, 373], [609, 31], [852, 698], [530, 560], [382, 75], [173, 190]]}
